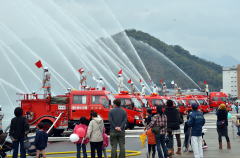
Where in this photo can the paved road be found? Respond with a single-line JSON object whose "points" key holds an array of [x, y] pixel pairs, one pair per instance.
{"points": [[133, 143]]}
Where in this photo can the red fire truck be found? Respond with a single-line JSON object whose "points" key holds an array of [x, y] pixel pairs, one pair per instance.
{"points": [[181, 106], [69, 108], [133, 108], [203, 103], [217, 98], [153, 100]]}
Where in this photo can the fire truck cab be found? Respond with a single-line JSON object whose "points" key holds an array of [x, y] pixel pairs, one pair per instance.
{"points": [[203, 103], [217, 98], [154, 100], [133, 108], [71, 106]]}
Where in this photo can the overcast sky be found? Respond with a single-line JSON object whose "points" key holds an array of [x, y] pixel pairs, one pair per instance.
{"points": [[207, 28]]}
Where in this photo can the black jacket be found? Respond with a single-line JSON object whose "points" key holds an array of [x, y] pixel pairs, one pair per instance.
{"points": [[18, 127], [222, 115], [41, 140], [173, 118]]}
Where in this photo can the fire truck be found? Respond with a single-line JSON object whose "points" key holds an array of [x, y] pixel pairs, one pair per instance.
{"points": [[188, 101], [133, 108], [154, 100], [182, 107], [217, 98], [66, 109], [144, 103], [203, 103]]}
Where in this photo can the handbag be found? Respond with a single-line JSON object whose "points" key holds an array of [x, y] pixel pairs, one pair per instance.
{"points": [[221, 123]]}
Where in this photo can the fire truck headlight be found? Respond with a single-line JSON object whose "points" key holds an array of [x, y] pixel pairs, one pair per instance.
{"points": [[136, 117]]}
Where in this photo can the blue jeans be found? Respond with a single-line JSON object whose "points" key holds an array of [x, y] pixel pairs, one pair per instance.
{"points": [[83, 146], [15, 148], [161, 146]]}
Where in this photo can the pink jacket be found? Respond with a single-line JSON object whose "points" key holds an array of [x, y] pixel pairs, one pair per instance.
{"points": [[85, 127]]}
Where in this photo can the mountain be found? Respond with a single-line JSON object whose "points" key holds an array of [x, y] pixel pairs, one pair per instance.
{"points": [[196, 68], [224, 60]]}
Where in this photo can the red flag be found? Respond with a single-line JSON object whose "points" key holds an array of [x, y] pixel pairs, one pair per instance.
{"points": [[161, 81], [120, 72], [129, 81], [39, 64], [140, 80], [205, 82]]}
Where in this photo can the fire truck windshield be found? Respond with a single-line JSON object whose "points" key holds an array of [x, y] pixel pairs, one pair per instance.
{"points": [[181, 103], [137, 104], [215, 99], [223, 99], [144, 101], [192, 101], [100, 99], [157, 102], [202, 102], [110, 97]]}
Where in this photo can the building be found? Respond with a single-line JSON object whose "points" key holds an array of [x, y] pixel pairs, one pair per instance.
{"points": [[231, 81]]}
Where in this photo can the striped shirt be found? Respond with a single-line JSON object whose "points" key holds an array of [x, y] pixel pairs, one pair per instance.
{"points": [[159, 121]]}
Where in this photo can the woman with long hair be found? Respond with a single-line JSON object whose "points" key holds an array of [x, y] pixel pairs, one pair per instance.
{"points": [[222, 125], [173, 127]]}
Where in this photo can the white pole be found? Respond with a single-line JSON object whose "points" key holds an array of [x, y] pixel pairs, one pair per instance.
{"points": [[54, 122]]}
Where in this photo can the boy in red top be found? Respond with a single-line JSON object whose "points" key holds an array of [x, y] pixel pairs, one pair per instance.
{"points": [[151, 143]]}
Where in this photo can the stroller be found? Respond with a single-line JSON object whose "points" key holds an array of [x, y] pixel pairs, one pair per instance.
{"points": [[5, 145]]}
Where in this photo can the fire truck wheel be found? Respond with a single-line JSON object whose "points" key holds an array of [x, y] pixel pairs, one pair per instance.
{"points": [[57, 132]]}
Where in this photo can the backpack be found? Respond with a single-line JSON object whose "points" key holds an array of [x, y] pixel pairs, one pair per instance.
{"points": [[81, 132]]}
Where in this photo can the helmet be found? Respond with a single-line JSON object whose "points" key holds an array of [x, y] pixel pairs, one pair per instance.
{"points": [[45, 68]]}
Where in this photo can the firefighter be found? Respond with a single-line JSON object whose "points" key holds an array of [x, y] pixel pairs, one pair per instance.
{"points": [[1, 117], [132, 87], [83, 79], [155, 89], [143, 89], [46, 82], [120, 83], [99, 83], [206, 89], [164, 88]]}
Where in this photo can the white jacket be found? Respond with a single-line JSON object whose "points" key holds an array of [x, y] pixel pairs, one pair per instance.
{"points": [[95, 130]]}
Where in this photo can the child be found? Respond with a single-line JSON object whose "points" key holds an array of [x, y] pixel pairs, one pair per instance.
{"points": [[237, 123], [151, 143], [81, 130], [41, 140], [105, 143]]}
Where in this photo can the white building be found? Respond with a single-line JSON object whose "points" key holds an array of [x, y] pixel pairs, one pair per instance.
{"points": [[231, 80]]}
